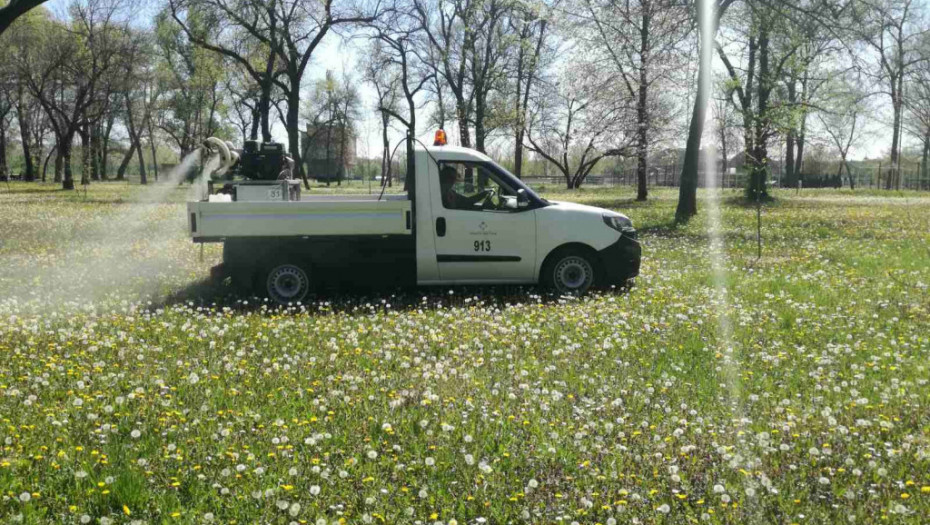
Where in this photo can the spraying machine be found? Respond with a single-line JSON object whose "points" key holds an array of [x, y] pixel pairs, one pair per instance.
{"points": [[257, 172], [463, 220]]}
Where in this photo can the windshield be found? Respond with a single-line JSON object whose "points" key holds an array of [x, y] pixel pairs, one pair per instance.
{"points": [[518, 184]]}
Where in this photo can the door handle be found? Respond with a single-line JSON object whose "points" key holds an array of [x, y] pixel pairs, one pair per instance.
{"points": [[441, 227]]}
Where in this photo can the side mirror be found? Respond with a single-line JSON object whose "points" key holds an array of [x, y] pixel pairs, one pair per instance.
{"points": [[522, 200], [510, 202]]}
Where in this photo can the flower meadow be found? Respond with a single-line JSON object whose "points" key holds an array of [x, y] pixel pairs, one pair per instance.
{"points": [[794, 390]]}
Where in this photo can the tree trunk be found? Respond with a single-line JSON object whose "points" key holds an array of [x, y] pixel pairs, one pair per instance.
{"points": [[4, 168], [95, 152], [264, 109], [852, 183], [895, 138], [521, 117], [480, 107], [67, 183], [142, 177], [461, 113], [127, 158], [104, 152], [49, 156], [756, 190], [789, 177], [924, 170], [687, 189], [799, 159], [22, 115], [386, 151], [256, 121], [293, 134], [154, 149], [518, 152], [642, 110], [86, 151], [724, 152], [59, 159]]}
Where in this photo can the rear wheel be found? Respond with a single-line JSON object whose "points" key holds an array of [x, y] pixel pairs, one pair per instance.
{"points": [[571, 272], [287, 283]]}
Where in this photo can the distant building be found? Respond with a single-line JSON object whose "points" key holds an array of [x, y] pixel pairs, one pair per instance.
{"points": [[329, 151]]}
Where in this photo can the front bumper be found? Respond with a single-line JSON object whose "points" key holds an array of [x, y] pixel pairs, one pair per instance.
{"points": [[621, 259]]}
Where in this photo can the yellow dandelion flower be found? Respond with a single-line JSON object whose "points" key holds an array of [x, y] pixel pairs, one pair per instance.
{"points": [[126, 510]]}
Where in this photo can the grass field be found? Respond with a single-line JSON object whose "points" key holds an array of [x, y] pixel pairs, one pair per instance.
{"points": [[788, 389]]}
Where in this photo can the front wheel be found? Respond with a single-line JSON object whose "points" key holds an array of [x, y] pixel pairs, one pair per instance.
{"points": [[287, 283], [570, 273]]}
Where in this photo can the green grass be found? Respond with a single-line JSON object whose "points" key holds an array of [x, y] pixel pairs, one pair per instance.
{"points": [[800, 397]]}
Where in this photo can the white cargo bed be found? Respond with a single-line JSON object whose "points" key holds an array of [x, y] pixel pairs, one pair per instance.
{"points": [[312, 215]]}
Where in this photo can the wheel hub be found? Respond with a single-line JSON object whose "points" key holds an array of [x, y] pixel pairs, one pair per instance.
{"points": [[287, 283], [573, 274]]}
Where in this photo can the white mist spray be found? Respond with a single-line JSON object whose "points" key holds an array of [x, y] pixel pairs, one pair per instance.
{"points": [[131, 252], [727, 353]]}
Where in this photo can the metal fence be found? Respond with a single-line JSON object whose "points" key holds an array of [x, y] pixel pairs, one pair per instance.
{"points": [[903, 178]]}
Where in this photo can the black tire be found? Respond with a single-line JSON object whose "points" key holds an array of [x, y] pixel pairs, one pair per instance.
{"points": [[570, 272], [287, 283]]}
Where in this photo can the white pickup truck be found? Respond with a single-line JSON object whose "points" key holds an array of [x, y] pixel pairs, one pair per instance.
{"points": [[464, 220]]}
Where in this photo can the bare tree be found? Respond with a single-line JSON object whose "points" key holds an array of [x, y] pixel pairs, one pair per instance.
{"points": [[532, 24], [470, 44], [399, 52], [842, 120], [766, 49], [893, 30], [386, 84], [917, 103], [580, 121], [285, 33], [641, 40], [727, 122], [332, 113]]}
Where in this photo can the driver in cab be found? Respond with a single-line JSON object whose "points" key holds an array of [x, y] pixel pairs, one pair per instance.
{"points": [[454, 200]]}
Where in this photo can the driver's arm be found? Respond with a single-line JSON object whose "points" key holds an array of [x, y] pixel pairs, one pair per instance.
{"points": [[472, 200]]}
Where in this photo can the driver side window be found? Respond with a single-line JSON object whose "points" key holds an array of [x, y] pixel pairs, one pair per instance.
{"points": [[473, 187]]}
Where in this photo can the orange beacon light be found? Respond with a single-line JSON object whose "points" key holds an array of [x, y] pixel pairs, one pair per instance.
{"points": [[440, 139]]}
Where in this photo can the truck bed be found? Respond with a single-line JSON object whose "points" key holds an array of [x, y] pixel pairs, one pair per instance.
{"points": [[313, 215]]}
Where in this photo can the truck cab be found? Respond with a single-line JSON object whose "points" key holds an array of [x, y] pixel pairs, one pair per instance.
{"points": [[464, 220]]}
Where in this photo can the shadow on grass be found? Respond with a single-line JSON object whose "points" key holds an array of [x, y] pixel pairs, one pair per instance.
{"points": [[668, 229], [741, 201], [626, 203], [214, 294], [13, 190]]}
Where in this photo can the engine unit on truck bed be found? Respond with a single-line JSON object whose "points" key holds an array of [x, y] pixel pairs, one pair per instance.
{"points": [[263, 161]]}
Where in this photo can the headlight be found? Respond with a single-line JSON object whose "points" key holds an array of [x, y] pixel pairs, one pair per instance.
{"points": [[618, 222]]}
